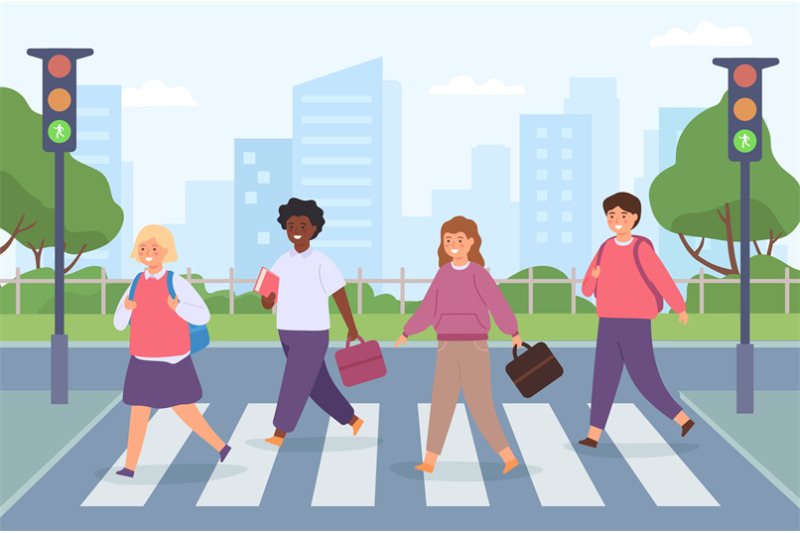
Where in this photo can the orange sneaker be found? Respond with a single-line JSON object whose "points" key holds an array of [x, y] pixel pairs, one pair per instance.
{"points": [[425, 467], [277, 441], [513, 463]]}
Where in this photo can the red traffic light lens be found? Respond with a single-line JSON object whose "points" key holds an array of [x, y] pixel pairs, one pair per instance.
{"points": [[745, 75], [59, 66]]}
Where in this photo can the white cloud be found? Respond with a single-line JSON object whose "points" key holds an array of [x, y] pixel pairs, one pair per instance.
{"points": [[155, 93], [465, 85], [706, 34]]}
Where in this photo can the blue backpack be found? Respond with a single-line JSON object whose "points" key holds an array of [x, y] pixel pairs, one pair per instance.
{"points": [[198, 335]]}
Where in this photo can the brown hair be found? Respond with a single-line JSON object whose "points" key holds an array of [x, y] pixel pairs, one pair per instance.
{"points": [[470, 229], [627, 202]]}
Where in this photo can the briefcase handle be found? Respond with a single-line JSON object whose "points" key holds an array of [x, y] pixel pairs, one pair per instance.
{"points": [[360, 338], [514, 349]]}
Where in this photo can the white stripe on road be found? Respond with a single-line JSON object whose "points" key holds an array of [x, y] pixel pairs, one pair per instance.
{"points": [[562, 480], [457, 479], [166, 435], [662, 473], [349, 466], [241, 480]]}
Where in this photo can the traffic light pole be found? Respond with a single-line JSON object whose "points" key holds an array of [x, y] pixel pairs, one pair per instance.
{"points": [[59, 351], [745, 144], [744, 350]]}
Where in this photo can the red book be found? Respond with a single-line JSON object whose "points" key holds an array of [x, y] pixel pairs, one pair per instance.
{"points": [[266, 283]]}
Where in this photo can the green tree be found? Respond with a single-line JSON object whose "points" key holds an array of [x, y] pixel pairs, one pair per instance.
{"points": [[699, 195], [91, 217]]}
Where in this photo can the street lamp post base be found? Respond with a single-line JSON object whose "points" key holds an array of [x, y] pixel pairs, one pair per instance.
{"points": [[744, 378], [59, 377]]}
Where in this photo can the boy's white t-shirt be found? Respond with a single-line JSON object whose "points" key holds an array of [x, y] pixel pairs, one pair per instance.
{"points": [[307, 280]]}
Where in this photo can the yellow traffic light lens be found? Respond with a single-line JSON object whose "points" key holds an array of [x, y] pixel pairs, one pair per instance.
{"points": [[744, 109], [59, 99], [59, 66]]}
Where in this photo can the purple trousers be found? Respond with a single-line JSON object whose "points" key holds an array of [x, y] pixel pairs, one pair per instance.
{"points": [[307, 376], [626, 342]]}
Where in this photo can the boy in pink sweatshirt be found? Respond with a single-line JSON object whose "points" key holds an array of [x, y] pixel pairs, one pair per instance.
{"points": [[630, 284]]}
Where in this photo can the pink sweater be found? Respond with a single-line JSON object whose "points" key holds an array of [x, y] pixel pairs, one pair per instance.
{"points": [[458, 304], [156, 330], [621, 291]]}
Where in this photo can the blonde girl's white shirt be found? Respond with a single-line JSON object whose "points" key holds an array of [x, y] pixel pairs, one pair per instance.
{"points": [[306, 282]]}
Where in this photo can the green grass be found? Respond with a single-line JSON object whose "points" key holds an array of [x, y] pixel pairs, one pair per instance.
{"points": [[261, 327]]}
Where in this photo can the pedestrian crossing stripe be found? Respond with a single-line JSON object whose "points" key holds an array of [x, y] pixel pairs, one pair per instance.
{"points": [[558, 476], [241, 480], [665, 477], [348, 469], [457, 479], [557, 473], [166, 435]]}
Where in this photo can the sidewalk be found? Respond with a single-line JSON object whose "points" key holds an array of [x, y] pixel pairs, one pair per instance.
{"points": [[36, 434], [769, 437]]}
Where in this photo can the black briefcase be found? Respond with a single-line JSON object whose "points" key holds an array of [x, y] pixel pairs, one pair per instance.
{"points": [[534, 369]]}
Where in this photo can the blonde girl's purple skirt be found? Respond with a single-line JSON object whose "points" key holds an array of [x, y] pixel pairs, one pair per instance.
{"points": [[160, 384]]}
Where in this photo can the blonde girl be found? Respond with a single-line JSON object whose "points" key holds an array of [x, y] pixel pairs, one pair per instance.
{"points": [[160, 372]]}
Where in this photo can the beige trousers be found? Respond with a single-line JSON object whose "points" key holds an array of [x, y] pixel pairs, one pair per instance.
{"points": [[463, 364]]}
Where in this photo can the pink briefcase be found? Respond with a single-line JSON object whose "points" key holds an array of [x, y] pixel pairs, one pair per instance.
{"points": [[360, 362]]}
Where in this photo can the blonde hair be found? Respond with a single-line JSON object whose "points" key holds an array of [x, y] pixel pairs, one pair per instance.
{"points": [[470, 229], [162, 236]]}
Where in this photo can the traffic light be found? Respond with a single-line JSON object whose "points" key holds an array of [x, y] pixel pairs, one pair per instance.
{"points": [[744, 105], [59, 98]]}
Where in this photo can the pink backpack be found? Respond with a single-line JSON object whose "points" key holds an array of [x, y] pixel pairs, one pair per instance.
{"points": [[637, 241]]}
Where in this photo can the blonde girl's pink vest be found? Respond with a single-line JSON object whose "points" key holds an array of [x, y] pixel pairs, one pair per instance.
{"points": [[156, 330]]}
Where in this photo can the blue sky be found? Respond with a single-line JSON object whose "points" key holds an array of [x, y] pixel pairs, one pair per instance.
{"points": [[239, 63]]}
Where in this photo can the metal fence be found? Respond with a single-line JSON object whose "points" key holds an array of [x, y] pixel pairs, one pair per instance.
{"points": [[231, 281]]}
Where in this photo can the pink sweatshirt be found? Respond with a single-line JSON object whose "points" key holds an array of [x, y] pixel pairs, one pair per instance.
{"points": [[621, 291], [458, 304]]}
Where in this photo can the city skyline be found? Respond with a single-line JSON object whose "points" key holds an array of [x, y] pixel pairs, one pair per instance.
{"points": [[445, 115]]}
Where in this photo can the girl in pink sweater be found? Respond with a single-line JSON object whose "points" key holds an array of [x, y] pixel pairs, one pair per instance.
{"points": [[457, 305], [630, 284]]}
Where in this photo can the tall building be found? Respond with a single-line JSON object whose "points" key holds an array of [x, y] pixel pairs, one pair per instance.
{"points": [[128, 232], [598, 97], [394, 257], [99, 123], [648, 225], [262, 183], [204, 241], [488, 202], [555, 191], [337, 160]]}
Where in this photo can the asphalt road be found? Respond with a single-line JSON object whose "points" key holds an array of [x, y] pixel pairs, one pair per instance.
{"points": [[624, 472]]}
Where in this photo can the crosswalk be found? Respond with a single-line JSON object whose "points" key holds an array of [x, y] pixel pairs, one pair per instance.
{"points": [[348, 472]]}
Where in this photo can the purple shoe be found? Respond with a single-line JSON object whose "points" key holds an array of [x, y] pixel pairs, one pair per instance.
{"points": [[127, 472], [223, 453]]}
